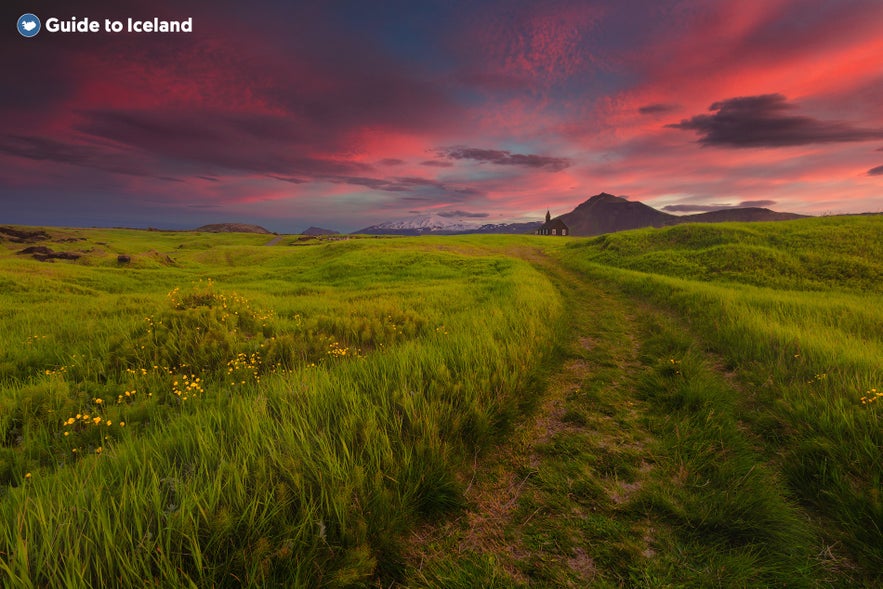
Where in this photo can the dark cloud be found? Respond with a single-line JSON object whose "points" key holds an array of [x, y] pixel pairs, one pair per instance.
{"points": [[697, 208], [506, 158], [286, 179], [391, 161], [692, 208], [437, 164], [762, 121], [87, 156], [210, 140], [399, 184], [878, 171], [654, 109], [290, 99], [466, 214], [756, 203], [417, 181]]}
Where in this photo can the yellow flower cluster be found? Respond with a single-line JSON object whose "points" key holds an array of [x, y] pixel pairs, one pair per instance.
{"points": [[143, 371], [85, 420], [187, 387], [817, 378], [244, 363], [871, 396], [151, 323], [392, 324], [674, 364], [336, 350], [126, 397], [204, 295], [174, 297]]}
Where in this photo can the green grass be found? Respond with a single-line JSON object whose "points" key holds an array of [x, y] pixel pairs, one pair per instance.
{"points": [[662, 407], [803, 349], [838, 253], [636, 473], [340, 388]]}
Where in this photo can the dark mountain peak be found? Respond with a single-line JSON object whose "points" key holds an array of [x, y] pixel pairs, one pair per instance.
{"points": [[602, 198], [319, 231], [606, 213]]}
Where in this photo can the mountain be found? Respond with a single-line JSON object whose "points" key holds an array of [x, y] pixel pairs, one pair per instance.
{"points": [[232, 228], [319, 231], [435, 224], [739, 214], [606, 213], [602, 213], [509, 228], [420, 225]]}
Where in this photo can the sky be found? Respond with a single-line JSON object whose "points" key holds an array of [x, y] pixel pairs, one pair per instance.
{"points": [[345, 114]]}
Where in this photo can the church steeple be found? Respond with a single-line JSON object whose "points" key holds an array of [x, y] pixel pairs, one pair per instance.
{"points": [[548, 216]]}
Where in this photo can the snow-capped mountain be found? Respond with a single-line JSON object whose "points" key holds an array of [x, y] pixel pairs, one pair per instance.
{"points": [[419, 224], [433, 223]]}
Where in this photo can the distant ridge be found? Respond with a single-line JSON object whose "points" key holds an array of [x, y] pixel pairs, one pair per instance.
{"points": [[509, 228], [606, 213], [602, 213], [232, 228], [319, 231], [746, 214], [435, 225]]}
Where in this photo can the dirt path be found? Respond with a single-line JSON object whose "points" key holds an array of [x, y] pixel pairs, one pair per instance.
{"points": [[553, 506], [275, 240]]}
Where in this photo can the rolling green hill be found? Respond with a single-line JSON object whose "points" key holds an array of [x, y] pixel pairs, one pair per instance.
{"points": [[694, 405]]}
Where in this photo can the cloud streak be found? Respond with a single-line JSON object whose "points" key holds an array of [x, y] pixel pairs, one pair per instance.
{"points": [[656, 109], [699, 208], [506, 158], [762, 121], [462, 214]]}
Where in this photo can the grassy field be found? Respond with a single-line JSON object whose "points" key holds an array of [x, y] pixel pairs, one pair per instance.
{"points": [[791, 314], [691, 406]]}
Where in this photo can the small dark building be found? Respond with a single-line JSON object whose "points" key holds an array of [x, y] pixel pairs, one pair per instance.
{"points": [[550, 227]]}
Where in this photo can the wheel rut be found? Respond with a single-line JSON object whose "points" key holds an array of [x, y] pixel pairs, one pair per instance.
{"points": [[544, 507]]}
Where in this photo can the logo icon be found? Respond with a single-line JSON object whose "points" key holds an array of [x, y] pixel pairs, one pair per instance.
{"points": [[28, 25]]}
